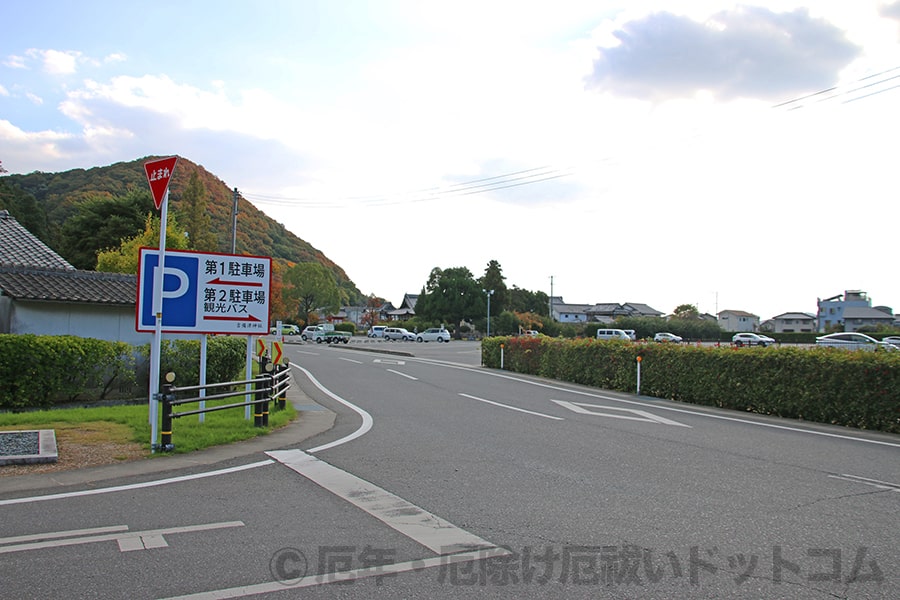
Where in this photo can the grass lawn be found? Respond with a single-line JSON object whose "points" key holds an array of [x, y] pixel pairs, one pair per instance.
{"points": [[117, 424]]}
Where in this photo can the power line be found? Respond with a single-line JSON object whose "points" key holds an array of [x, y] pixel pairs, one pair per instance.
{"points": [[466, 188], [800, 100]]}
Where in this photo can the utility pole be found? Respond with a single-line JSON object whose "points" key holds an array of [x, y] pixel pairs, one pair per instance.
{"points": [[551, 297], [234, 211]]}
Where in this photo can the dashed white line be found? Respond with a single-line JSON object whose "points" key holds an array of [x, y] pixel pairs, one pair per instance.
{"points": [[402, 374]]}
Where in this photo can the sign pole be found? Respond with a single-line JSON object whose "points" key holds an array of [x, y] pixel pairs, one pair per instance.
{"points": [[156, 347], [159, 172]]}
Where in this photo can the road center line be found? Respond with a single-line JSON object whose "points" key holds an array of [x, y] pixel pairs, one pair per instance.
{"points": [[530, 412]]}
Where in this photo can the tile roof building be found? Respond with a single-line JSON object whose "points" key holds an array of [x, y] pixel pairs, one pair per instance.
{"points": [[41, 293]]}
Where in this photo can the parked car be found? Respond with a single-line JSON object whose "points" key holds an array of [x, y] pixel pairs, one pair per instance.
{"points": [[630, 333], [531, 332], [851, 340], [751, 339], [665, 336], [376, 331], [892, 339], [433, 334], [613, 334], [285, 330], [398, 333]]}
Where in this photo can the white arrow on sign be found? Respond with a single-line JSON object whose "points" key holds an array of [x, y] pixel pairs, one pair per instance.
{"points": [[636, 415]]}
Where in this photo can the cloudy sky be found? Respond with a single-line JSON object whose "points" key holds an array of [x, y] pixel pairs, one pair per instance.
{"points": [[732, 156]]}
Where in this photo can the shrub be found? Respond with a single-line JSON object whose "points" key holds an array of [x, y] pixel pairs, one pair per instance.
{"points": [[828, 385]]}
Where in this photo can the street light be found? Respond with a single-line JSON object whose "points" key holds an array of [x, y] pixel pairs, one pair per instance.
{"points": [[489, 294]]}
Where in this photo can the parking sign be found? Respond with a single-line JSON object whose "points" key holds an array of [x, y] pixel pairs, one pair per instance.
{"points": [[205, 293]]}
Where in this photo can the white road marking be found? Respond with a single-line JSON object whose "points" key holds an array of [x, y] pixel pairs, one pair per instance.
{"points": [[530, 412], [882, 485], [127, 540], [134, 486], [384, 361], [429, 530], [403, 374], [366, 417], [344, 576], [642, 415], [62, 534], [307, 352], [350, 360]]}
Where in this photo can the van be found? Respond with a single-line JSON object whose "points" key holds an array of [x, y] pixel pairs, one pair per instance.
{"points": [[376, 331], [613, 334]]}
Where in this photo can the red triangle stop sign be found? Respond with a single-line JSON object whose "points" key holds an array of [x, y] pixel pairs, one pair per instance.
{"points": [[158, 174]]}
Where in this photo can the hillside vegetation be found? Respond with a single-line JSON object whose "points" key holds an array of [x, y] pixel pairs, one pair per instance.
{"points": [[42, 202]]}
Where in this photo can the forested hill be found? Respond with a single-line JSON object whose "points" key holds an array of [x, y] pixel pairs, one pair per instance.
{"points": [[57, 196]]}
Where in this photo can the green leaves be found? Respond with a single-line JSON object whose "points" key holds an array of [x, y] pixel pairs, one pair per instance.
{"points": [[856, 389]]}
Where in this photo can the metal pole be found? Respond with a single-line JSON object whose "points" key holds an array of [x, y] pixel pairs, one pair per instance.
{"points": [[234, 211], [156, 348], [638, 376]]}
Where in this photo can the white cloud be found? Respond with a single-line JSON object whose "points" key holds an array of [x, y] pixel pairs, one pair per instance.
{"points": [[3, 90], [57, 62], [15, 62]]}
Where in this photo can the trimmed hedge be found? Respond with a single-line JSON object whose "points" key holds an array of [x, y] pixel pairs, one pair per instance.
{"points": [[38, 371], [827, 385]]}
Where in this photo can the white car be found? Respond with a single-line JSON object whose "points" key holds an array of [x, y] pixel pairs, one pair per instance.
{"points": [[376, 331], [433, 334], [665, 336], [853, 341], [892, 339], [751, 339]]}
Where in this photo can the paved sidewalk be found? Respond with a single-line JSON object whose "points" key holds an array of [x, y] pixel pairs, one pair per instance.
{"points": [[312, 420]]}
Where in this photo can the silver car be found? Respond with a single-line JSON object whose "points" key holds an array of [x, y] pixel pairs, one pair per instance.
{"points": [[751, 339], [851, 340], [398, 333], [433, 334]]}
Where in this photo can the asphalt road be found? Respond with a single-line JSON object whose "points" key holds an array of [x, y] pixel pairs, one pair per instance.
{"points": [[443, 479]]}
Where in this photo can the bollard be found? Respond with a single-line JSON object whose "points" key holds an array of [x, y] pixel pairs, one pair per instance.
{"points": [[501, 357], [166, 399], [282, 397], [261, 393], [270, 382], [638, 392]]}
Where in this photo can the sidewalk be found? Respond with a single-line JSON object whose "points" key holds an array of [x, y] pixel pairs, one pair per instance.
{"points": [[312, 420]]}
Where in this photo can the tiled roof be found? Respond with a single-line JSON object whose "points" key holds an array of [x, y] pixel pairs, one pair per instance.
{"points": [[92, 287], [20, 248]]}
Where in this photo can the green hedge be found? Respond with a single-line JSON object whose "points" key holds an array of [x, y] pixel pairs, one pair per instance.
{"points": [[41, 371], [827, 385], [38, 371], [226, 358]]}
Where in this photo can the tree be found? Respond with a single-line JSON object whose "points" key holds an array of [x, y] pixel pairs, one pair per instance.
{"points": [[526, 301], [686, 311], [101, 223], [493, 279], [197, 222], [451, 296], [309, 287], [24, 208], [124, 258]]}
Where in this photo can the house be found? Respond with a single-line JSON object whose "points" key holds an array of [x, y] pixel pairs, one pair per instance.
{"points": [[407, 309], [860, 317], [570, 313], [607, 313], [833, 312], [42, 294], [738, 320], [791, 322]]}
